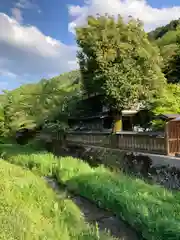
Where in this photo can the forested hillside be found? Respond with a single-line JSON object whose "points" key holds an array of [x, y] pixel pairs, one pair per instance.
{"points": [[167, 38], [31, 105], [161, 31], [50, 102]]}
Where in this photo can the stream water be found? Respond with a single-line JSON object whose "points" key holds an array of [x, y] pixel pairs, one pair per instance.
{"points": [[93, 214]]}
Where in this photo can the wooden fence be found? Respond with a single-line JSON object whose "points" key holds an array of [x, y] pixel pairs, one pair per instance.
{"points": [[167, 143], [173, 137], [142, 142]]}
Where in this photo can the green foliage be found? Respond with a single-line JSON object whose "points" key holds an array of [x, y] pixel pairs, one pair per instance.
{"points": [[167, 38], [30, 105], [3, 123], [117, 59], [172, 67], [135, 201], [168, 52], [27, 207], [55, 127], [161, 31], [158, 125], [30, 210], [36, 211], [170, 37], [169, 102]]}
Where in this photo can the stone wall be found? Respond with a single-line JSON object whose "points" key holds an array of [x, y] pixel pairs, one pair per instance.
{"points": [[153, 168]]}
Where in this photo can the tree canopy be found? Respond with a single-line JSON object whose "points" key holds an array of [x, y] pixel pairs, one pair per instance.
{"points": [[117, 59], [167, 39], [172, 66], [169, 102]]}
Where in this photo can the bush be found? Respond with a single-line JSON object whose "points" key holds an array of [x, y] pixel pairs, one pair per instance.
{"points": [[44, 164], [35, 144]]}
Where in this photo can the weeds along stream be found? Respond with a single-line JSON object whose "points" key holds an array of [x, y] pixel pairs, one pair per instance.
{"points": [[95, 215]]}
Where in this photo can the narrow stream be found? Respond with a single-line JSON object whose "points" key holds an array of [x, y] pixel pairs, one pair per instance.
{"points": [[93, 214]]}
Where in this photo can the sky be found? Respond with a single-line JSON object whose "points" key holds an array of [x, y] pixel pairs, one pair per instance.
{"points": [[37, 38]]}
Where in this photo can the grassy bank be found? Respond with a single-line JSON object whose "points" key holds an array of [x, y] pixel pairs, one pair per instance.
{"points": [[152, 210], [31, 211]]}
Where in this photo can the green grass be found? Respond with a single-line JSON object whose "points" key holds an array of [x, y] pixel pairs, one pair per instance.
{"points": [[151, 209], [31, 211]]}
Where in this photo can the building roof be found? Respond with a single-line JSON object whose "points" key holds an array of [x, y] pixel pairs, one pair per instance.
{"points": [[176, 119], [168, 116], [129, 112]]}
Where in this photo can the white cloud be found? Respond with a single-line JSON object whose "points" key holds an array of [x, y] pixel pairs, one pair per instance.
{"points": [[6, 73], [75, 10], [26, 4], [152, 17], [17, 15], [25, 50]]}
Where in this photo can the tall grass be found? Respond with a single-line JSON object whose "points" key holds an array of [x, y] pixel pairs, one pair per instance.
{"points": [[151, 209], [31, 211]]}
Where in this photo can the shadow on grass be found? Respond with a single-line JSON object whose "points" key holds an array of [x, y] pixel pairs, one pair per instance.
{"points": [[11, 149]]}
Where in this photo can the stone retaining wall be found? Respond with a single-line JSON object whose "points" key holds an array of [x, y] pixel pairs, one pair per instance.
{"points": [[153, 168]]}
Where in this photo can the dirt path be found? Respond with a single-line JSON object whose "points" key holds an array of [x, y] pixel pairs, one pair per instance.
{"points": [[93, 214]]}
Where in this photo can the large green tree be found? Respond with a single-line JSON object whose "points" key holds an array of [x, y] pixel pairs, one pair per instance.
{"points": [[117, 60]]}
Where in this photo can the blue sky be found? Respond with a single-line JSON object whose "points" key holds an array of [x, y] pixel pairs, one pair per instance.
{"points": [[37, 38], [52, 18], [163, 3]]}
